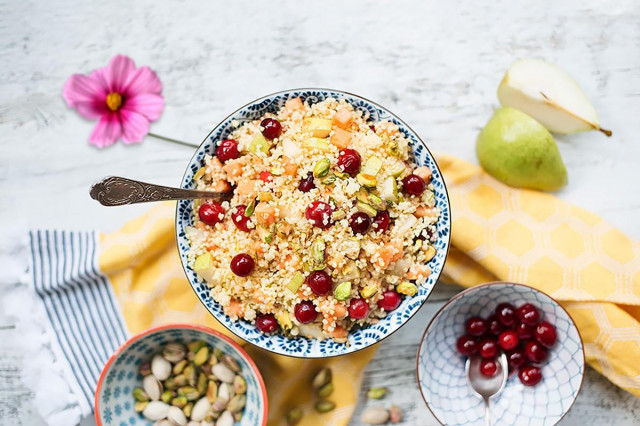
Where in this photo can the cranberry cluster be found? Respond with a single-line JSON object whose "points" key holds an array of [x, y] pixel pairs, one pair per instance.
{"points": [[520, 333]]}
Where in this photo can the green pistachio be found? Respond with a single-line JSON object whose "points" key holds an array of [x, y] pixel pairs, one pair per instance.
{"points": [[407, 288], [338, 215], [239, 383], [321, 169], [202, 383], [366, 180], [179, 367], [342, 291], [237, 403], [325, 391], [140, 395], [196, 345], [368, 291], [294, 416], [429, 252], [188, 409], [189, 392], [329, 180], [321, 378], [377, 202], [167, 396], [251, 206], [201, 356], [325, 406], [139, 406], [179, 401], [391, 146], [190, 374], [284, 319], [212, 391], [342, 175], [366, 208], [317, 250], [376, 393]]}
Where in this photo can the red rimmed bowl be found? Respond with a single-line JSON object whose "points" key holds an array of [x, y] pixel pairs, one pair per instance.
{"points": [[114, 403]]}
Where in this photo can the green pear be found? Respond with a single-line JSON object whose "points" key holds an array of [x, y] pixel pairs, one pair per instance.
{"points": [[517, 150], [549, 95]]}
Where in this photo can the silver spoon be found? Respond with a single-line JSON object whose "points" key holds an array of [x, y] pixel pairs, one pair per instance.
{"points": [[486, 387], [118, 191]]}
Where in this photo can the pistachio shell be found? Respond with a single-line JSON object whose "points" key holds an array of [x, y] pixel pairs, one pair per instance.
{"points": [[395, 414], [156, 410], [222, 372], [231, 363], [152, 387], [223, 391], [145, 368], [160, 367], [322, 378], [375, 416], [220, 404], [176, 416], [226, 419], [200, 409], [174, 352]]}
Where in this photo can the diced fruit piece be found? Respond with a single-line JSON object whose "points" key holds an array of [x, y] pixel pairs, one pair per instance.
{"points": [[340, 138], [506, 314], [390, 300], [284, 320], [294, 104], [266, 323], [295, 282], [259, 144], [508, 340], [366, 209], [476, 326], [488, 348], [233, 170], [350, 271], [407, 288], [201, 171], [535, 352], [270, 128], [266, 176], [267, 233], [390, 252], [307, 184], [240, 219], [211, 213], [381, 221], [316, 143], [203, 266], [222, 186], [305, 312], [265, 214], [545, 333], [318, 127], [247, 187], [530, 375], [372, 166], [358, 309], [413, 185], [398, 169], [320, 283], [242, 264], [466, 345], [528, 314], [289, 166], [342, 291], [349, 160], [424, 172], [488, 367], [319, 214], [227, 150], [389, 189], [343, 118], [360, 223]]}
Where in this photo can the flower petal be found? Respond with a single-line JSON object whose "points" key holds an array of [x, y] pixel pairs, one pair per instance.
{"points": [[118, 71], [107, 131], [143, 80], [147, 104], [134, 126], [86, 94]]}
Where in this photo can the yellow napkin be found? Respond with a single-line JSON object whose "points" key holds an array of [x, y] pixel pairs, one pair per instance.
{"points": [[534, 238]]}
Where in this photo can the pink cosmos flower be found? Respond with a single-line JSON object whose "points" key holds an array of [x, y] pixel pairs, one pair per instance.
{"points": [[123, 99]]}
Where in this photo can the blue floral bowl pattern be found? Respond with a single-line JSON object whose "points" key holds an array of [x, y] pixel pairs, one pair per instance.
{"points": [[358, 339], [441, 373], [114, 402]]}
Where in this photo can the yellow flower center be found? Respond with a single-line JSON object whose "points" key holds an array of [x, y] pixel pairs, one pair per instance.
{"points": [[114, 101]]}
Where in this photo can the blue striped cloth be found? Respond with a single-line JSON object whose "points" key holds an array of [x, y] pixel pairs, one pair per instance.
{"points": [[79, 302]]}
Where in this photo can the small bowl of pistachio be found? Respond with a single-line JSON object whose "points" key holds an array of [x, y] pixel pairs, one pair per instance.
{"points": [[181, 375]]}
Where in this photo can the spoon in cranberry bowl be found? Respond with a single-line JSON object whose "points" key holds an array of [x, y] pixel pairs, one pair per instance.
{"points": [[119, 191], [487, 378]]}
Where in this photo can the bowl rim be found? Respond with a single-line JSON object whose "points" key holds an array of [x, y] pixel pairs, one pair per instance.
{"points": [[203, 328], [489, 284], [353, 96]]}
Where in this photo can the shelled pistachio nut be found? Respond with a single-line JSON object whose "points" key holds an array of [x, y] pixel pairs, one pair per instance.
{"points": [[231, 363], [321, 169], [201, 356], [294, 416], [407, 288], [321, 378], [237, 403], [325, 391], [376, 393], [325, 406], [140, 395], [239, 385]]}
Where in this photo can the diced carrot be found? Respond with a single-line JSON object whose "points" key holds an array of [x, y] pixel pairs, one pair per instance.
{"points": [[340, 138], [422, 211], [282, 263], [424, 172], [340, 311], [343, 118], [234, 308], [233, 169], [300, 293], [339, 332], [290, 168], [259, 296], [294, 104], [390, 252], [222, 186], [265, 214], [257, 247], [418, 272], [211, 247], [287, 211], [247, 187], [387, 127]]}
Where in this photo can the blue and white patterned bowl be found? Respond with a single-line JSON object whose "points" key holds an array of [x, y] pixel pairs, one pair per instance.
{"points": [[441, 373], [305, 347], [114, 402]]}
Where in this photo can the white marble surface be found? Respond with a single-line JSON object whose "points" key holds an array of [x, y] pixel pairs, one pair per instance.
{"points": [[436, 64]]}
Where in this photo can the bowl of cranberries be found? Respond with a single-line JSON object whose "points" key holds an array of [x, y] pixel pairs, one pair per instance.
{"points": [[543, 347]]}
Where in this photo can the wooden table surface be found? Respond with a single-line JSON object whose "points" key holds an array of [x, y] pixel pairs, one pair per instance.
{"points": [[435, 64]]}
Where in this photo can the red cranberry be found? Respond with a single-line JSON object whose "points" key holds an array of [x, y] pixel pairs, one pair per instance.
{"points": [[305, 312], [349, 160], [515, 358], [525, 332], [307, 184], [528, 314], [271, 128], [319, 214], [508, 340], [381, 221], [535, 352], [390, 300], [488, 367], [413, 185], [466, 345], [211, 213], [239, 219], [358, 309], [530, 375], [506, 314], [266, 323], [495, 327], [320, 283], [488, 348], [476, 326], [266, 176], [227, 150], [545, 333], [360, 223], [242, 264]]}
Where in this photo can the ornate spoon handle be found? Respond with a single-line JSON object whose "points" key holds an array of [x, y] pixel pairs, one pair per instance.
{"points": [[118, 191]]}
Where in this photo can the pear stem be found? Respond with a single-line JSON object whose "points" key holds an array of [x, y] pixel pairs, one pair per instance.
{"points": [[560, 107]]}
